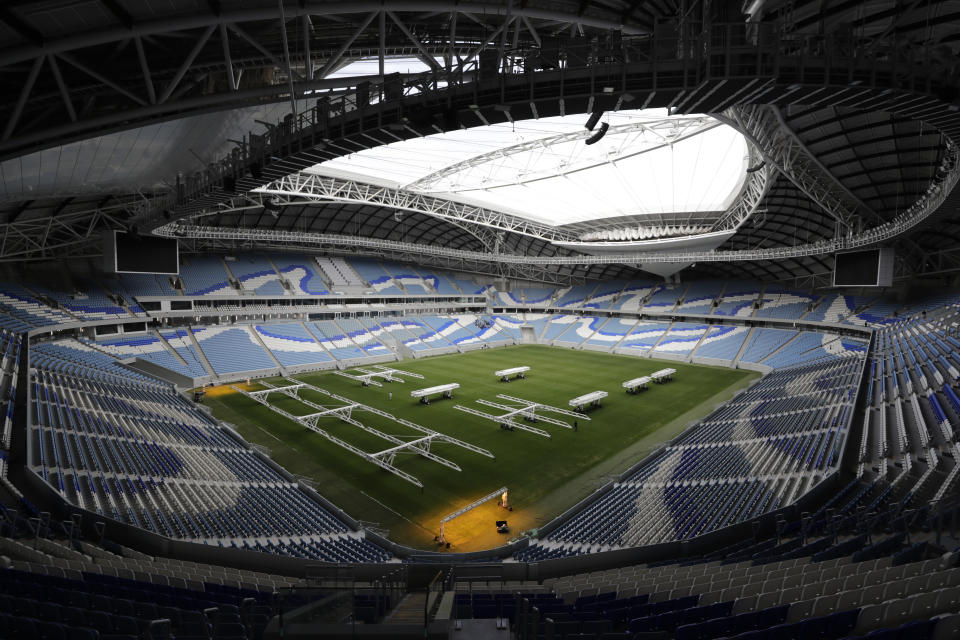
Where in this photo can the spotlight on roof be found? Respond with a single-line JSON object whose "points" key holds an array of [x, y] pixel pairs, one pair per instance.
{"points": [[594, 119], [602, 131], [272, 206], [756, 168]]}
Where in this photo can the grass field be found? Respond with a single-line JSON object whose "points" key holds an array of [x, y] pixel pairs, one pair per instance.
{"points": [[545, 476]]}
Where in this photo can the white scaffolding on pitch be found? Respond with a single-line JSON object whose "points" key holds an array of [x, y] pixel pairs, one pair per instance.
{"points": [[344, 411], [504, 374], [388, 374], [632, 386], [445, 390], [663, 375], [591, 399], [526, 409]]}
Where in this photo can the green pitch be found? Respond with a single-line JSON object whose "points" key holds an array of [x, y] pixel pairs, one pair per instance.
{"points": [[544, 476]]}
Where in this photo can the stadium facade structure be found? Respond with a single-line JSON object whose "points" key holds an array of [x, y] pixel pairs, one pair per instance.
{"points": [[852, 117]]}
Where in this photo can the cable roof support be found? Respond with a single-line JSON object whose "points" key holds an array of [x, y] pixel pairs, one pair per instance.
{"points": [[764, 126]]}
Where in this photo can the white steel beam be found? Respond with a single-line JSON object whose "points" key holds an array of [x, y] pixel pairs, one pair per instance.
{"points": [[546, 407], [473, 505], [765, 127], [380, 367], [325, 189], [346, 445], [510, 421], [364, 379], [412, 425], [344, 413]]}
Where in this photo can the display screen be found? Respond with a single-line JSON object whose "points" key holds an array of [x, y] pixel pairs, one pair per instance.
{"points": [[857, 268], [146, 254]]}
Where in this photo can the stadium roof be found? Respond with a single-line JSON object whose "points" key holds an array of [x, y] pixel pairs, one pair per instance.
{"points": [[648, 164]]}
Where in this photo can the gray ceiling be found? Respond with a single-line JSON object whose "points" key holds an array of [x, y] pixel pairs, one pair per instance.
{"points": [[102, 98]]}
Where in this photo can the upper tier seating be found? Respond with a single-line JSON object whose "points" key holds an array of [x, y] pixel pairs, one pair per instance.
{"points": [[527, 297], [256, 273], [468, 286], [664, 298], [575, 297], [738, 299], [21, 311], [832, 308], [373, 272], [339, 271], [133, 285], [783, 303], [444, 283], [699, 296], [408, 278], [632, 296], [205, 275], [301, 272], [880, 312], [91, 305], [606, 292]]}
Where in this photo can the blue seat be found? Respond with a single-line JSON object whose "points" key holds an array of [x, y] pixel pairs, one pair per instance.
{"points": [[23, 607], [193, 623], [146, 610], [102, 622], [841, 623], [83, 633], [74, 616], [77, 598], [123, 607], [99, 602], [231, 631], [24, 628], [917, 630], [126, 625], [53, 631], [48, 611]]}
